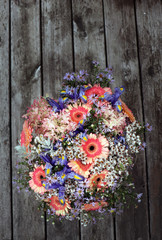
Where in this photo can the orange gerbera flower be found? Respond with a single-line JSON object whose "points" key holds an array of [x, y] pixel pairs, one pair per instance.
{"points": [[36, 182], [77, 113], [94, 206], [59, 209], [95, 147], [26, 137], [80, 168], [97, 180]]}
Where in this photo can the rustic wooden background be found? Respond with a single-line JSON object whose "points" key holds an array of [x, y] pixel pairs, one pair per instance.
{"points": [[41, 40]]}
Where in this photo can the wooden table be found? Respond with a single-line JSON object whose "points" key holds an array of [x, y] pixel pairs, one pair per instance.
{"points": [[42, 40]]}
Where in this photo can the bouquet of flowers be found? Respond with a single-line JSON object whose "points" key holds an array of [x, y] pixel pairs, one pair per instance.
{"points": [[76, 152]]}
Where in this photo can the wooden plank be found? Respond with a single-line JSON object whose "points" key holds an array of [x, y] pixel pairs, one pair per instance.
{"points": [[122, 55], [57, 43], [57, 60], [25, 58], [150, 55], [88, 33], [88, 46], [5, 199]]}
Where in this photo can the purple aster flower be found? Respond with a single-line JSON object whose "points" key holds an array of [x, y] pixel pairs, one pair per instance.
{"points": [[75, 211], [93, 98], [100, 76], [139, 197], [79, 192], [30, 162], [14, 182], [68, 91], [100, 210], [93, 204], [94, 220], [119, 211], [114, 186], [95, 63], [109, 76], [69, 76], [51, 179], [110, 70], [81, 78], [112, 210], [48, 211], [77, 204], [17, 166], [83, 73], [148, 127], [142, 147], [18, 189]]}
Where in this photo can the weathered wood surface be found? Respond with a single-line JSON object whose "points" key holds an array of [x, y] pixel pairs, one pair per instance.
{"points": [[25, 58], [150, 56], [5, 145], [122, 53], [63, 36]]}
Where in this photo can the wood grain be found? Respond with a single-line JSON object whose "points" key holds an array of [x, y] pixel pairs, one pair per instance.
{"points": [[57, 60], [63, 36], [56, 44], [25, 58], [88, 33], [5, 190], [122, 55], [88, 46], [150, 57]]}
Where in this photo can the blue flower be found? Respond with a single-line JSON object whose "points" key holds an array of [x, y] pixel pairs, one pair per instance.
{"points": [[47, 159], [62, 160], [79, 129], [57, 106], [48, 168], [75, 93], [118, 106], [113, 98], [67, 173], [84, 136], [62, 195], [120, 139]]}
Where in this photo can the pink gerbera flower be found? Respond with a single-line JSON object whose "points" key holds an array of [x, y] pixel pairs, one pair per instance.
{"points": [[94, 206], [108, 90], [36, 182], [80, 168], [95, 147], [97, 180], [78, 113], [57, 207], [95, 90]]}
